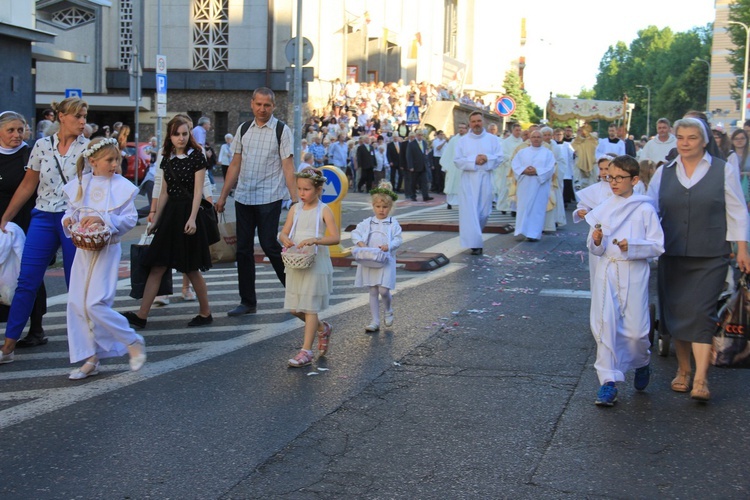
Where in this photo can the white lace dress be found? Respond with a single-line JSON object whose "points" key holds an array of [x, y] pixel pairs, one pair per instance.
{"points": [[309, 290]]}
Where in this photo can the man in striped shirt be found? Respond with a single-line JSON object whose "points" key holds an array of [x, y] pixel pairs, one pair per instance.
{"points": [[262, 166]]}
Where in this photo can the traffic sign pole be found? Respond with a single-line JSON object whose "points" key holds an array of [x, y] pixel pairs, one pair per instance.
{"points": [[334, 191]]}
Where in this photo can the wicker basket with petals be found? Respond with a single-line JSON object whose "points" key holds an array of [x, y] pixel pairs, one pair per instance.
{"points": [[93, 237], [295, 258]]}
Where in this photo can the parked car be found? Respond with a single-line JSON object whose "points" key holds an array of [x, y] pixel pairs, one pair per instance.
{"points": [[144, 160]]}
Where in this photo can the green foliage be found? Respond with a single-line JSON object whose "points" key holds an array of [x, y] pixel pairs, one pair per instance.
{"points": [[665, 62], [526, 111]]}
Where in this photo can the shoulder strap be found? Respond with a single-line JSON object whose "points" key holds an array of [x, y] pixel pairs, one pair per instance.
{"points": [[243, 129], [57, 162], [279, 131]]}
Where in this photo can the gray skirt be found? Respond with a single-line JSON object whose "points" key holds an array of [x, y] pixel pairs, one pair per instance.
{"points": [[689, 289]]}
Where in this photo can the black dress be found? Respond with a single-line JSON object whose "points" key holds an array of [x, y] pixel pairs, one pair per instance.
{"points": [[12, 172], [171, 247]]}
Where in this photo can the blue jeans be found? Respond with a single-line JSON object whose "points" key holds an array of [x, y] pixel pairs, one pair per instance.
{"points": [[266, 219], [44, 237]]}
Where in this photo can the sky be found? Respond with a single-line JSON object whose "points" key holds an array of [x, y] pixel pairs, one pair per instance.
{"points": [[565, 43]]}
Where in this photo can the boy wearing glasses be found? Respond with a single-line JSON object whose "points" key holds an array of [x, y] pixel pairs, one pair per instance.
{"points": [[626, 232]]}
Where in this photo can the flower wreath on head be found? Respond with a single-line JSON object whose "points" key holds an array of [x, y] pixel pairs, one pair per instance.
{"points": [[312, 174], [384, 191], [96, 147]]}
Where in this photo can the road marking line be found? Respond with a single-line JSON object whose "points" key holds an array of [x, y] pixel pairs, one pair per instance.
{"points": [[63, 397], [565, 293]]}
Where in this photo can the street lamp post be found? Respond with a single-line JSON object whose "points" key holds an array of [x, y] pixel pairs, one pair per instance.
{"points": [[744, 77], [708, 80], [648, 108]]}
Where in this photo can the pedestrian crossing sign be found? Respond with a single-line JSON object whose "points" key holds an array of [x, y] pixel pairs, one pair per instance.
{"points": [[412, 115]]}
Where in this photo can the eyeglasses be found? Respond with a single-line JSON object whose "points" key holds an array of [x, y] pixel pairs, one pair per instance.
{"points": [[617, 178]]}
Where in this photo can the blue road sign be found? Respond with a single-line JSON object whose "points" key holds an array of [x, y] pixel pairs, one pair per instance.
{"points": [[332, 187], [161, 84], [412, 115], [73, 93], [505, 105]]}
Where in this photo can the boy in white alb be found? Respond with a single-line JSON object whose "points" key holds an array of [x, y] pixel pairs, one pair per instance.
{"points": [[626, 233]]}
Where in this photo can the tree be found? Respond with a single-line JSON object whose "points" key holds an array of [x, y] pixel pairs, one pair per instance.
{"points": [[663, 61], [526, 111]]}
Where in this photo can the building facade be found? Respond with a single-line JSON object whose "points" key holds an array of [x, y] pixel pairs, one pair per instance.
{"points": [[218, 51]]}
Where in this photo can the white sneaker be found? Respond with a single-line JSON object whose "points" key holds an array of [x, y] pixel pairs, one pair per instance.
{"points": [[389, 318], [372, 327], [188, 295], [7, 358], [161, 300]]}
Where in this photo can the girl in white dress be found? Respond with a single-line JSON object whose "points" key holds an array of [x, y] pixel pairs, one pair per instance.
{"points": [[384, 232], [310, 223], [95, 330]]}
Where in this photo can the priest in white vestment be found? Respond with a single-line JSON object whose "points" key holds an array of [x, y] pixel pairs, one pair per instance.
{"points": [[509, 145], [533, 168], [452, 188], [612, 146], [477, 154]]}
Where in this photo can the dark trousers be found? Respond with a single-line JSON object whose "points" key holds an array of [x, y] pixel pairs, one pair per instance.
{"points": [[419, 182], [438, 177], [397, 178], [44, 237], [366, 176], [409, 184], [266, 219], [569, 195]]}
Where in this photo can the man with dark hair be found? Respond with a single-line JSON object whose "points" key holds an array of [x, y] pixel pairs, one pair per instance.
{"points": [[393, 154], [365, 163], [477, 154], [45, 123], [438, 145], [263, 163], [418, 163]]}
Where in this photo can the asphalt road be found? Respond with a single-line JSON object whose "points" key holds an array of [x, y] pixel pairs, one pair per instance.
{"points": [[483, 388]]}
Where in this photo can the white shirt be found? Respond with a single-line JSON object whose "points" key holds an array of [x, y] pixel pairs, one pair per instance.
{"points": [[50, 197], [261, 179], [436, 143], [737, 219], [656, 150]]}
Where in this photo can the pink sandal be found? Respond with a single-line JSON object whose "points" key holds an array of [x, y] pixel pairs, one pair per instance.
{"points": [[303, 358], [324, 338]]}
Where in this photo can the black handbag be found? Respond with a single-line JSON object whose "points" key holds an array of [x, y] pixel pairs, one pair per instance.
{"points": [[730, 343], [209, 220], [139, 274]]}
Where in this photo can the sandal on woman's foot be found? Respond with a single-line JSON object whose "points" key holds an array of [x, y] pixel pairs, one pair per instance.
{"points": [[137, 355], [681, 383], [700, 391], [303, 358], [324, 338], [82, 373]]}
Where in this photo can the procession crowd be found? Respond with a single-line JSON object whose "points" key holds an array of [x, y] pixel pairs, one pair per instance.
{"points": [[68, 192]]}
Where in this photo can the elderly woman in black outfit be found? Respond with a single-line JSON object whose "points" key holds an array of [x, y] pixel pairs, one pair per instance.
{"points": [[702, 208], [14, 155]]}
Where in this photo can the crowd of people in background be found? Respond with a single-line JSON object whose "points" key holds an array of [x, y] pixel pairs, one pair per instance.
{"points": [[533, 174]]}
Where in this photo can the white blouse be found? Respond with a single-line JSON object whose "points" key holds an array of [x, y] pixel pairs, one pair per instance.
{"points": [[45, 159]]}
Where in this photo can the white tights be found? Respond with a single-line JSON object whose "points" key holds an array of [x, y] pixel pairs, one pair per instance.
{"points": [[385, 293]]}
